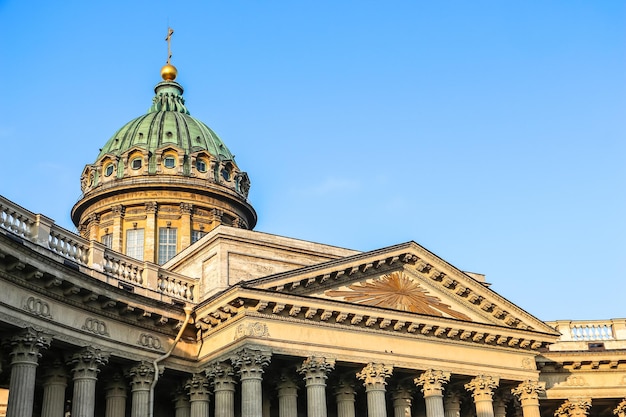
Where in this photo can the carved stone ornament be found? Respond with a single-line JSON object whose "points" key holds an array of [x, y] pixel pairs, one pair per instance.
{"points": [[529, 390], [375, 374], [398, 291], [255, 329], [620, 410], [149, 341], [38, 307], [87, 361], [27, 344], [95, 326], [482, 387], [141, 375], [221, 375], [577, 407], [432, 381], [198, 388], [316, 368], [250, 362]]}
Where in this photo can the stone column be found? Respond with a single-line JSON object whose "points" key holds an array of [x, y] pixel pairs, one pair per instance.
{"points": [[182, 406], [432, 382], [118, 230], [315, 371], [574, 407], [620, 410], [221, 376], [374, 377], [452, 404], [55, 382], [185, 225], [25, 348], [198, 387], [499, 407], [345, 398], [482, 388], [141, 378], [402, 400], [287, 396], [528, 394], [250, 364], [85, 371], [150, 232], [115, 394]]}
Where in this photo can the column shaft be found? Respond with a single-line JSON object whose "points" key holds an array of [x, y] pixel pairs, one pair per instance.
{"points": [[482, 388], [315, 371], [250, 364], [115, 393], [85, 372], [374, 377], [287, 397], [221, 377], [55, 382], [345, 398]]}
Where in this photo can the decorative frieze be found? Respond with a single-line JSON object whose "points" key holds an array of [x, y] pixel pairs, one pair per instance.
{"points": [[149, 341], [255, 329]]}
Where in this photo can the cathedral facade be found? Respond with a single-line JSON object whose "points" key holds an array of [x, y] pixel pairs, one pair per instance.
{"points": [[167, 303]]}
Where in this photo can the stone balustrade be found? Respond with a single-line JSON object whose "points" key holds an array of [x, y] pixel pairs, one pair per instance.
{"points": [[590, 330], [103, 263]]}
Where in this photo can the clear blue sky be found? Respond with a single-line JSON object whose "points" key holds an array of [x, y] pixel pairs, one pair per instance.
{"points": [[491, 132]]}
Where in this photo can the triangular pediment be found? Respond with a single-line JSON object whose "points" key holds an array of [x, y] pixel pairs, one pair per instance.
{"points": [[406, 278]]}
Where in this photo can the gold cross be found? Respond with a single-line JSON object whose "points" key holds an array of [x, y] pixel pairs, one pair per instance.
{"points": [[168, 38]]}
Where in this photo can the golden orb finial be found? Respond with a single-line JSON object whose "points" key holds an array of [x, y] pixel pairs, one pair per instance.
{"points": [[169, 71]]}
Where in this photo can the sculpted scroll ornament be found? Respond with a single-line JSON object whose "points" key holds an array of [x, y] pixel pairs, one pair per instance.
{"points": [[37, 307], [251, 329], [397, 291]]}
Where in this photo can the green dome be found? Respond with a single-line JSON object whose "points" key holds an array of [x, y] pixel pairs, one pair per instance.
{"points": [[167, 123]]}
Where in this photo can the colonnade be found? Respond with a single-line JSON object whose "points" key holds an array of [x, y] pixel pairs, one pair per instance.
{"points": [[243, 372]]}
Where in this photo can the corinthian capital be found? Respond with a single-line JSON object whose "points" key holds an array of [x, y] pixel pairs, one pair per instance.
{"points": [[482, 387], [198, 387], [375, 374], [432, 381], [87, 361], [316, 368], [250, 361], [576, 407], [141, 375], [620, 410], [529, 390], [26, 345]]}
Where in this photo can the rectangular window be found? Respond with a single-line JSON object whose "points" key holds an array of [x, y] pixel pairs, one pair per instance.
{"points": [[196, 235], [134, 243], [107, 240], [167, 244]]}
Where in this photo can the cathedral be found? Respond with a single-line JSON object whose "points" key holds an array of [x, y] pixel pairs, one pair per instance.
{"points": [[167, 303]]}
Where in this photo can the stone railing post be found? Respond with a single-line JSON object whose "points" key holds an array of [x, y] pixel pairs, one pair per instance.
{"points": [[95, 260], [432, 382], [528, 395], [315, 371], [41, 230], [250, 364], [374, 377], [25, 353], [482, 388]]}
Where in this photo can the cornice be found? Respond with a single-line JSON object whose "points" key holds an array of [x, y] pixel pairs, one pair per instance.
{"points": [[272, 305]]}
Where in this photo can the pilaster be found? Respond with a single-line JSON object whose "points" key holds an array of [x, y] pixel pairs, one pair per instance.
{"points": [[185, 225], [150, 232], [118, 230], [432, 382], [374, 377], [315, 371], [25, 353], [482, 388], [528, 394]]}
